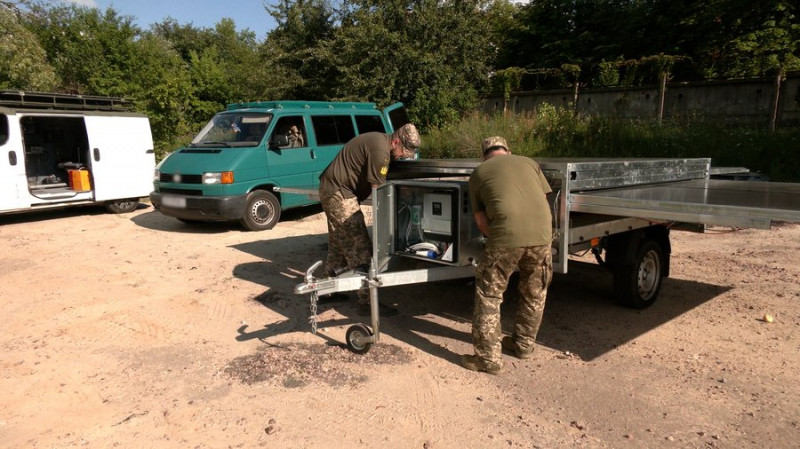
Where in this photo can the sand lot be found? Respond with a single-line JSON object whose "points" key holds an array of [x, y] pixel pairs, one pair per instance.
{"points": [[138, 331]]}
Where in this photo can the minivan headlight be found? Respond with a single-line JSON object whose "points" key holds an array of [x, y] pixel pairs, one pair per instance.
{"points": [[225, 177], [156, 175]]}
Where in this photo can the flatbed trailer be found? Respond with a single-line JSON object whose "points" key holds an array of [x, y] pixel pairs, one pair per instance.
{"points": [[621, 210]]}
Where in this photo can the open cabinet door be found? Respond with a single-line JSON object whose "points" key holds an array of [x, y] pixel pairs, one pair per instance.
{"points": [[383, 225], [121, 156]]}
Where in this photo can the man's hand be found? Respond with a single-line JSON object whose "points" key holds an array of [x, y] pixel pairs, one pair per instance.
{"points": [[483, 222]]}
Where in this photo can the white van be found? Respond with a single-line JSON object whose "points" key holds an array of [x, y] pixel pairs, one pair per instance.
{"points": [[59, 150]]}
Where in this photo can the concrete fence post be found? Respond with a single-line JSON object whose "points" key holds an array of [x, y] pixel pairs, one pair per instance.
{"points": [[773, 123]]}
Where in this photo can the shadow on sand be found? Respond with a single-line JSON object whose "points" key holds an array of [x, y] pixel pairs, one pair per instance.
{"points": [[157, 221], [581, 316]]}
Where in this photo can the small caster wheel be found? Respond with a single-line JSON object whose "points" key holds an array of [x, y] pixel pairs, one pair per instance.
{"points": [[355, 336]]}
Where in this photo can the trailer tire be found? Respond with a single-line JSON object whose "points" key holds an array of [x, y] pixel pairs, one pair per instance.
{"points": [[354, 338], [637, 285], [262, 211], [122, 206]]}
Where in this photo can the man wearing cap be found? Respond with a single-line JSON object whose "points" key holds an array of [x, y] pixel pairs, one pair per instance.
{"points": [[361, 165], [508, 195], [295, 137]]}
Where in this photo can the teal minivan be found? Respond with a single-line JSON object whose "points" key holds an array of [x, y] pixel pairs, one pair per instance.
{"points": [[235, 167]]}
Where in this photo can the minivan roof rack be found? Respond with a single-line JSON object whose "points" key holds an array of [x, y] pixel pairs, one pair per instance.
{"points": [[45, 100], [300, 104]]}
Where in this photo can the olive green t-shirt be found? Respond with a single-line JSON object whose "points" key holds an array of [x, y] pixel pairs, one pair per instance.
{"points": [[364, 161], [511, 190]]}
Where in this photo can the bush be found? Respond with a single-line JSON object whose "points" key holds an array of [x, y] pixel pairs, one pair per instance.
{"points": [[557, 132]]}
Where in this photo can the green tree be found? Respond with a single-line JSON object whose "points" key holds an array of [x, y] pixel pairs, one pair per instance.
{"points": [[551, 33], [23, 62], [432, 55], [722, 38], [223, 63], [163, 90], [102, 53], [185, 39], [92, 51], [237, 53], [212, 84], [297, 63], [771, 44]]}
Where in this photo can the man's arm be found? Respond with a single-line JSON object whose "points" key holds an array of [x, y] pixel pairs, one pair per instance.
{"points": [[483, 222]]}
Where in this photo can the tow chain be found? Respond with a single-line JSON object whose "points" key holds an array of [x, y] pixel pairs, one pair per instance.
{"points": [[313, 307]]}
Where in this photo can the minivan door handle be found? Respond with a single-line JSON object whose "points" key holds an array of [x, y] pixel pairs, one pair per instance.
{"points": [[12, 158], [97, 154], [313, 154]]}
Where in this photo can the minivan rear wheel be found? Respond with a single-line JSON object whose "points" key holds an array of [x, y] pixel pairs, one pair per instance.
{"points": [[262, 211]]}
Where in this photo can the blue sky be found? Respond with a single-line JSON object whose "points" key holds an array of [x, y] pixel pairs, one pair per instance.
{"points": [[201, 13]]}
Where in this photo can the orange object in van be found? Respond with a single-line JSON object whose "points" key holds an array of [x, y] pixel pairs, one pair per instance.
{"points": [[79, 180]]}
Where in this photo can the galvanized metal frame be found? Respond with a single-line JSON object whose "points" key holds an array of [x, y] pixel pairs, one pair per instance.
{"points": [[592, 198]]}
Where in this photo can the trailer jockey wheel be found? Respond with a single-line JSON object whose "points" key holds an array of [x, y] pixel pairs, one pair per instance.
{"points": [[637, 285], [355, 336]]}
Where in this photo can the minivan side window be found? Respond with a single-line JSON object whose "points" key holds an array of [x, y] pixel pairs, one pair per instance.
{"points": [[293, 128], [333, 129], [368, 123], [3, 129]]}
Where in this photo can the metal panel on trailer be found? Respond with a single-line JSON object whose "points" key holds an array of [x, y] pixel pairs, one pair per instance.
{"points": [[594, 174], [583, 173], [702, 201], [431, 168]]}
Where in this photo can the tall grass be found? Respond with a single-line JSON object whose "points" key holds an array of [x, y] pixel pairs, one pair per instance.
{"points": [[555, 132]]}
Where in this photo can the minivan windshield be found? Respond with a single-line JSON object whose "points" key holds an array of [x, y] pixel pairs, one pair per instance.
{"points": [[233, 129]]}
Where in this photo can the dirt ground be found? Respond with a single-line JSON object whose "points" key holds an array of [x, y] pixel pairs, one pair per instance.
{"points": [[136, 330]]}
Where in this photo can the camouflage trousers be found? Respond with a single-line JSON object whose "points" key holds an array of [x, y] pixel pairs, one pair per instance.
{"points": [[349, 243], [491, 280]]}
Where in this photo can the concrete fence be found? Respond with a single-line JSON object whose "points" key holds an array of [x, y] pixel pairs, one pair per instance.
{"points": [[744, 101]]}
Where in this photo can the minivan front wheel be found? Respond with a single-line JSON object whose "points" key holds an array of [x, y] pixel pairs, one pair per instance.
{"points": [[262, 211]]}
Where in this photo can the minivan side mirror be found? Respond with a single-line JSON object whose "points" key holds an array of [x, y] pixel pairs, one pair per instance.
{"points": [[278, 141]]}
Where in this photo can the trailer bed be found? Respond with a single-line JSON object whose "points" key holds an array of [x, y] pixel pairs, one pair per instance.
{"points": [[704, 201]]}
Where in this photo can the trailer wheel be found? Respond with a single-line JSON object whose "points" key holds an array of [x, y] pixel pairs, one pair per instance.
{"points": [[637, 285], [262, 211], [355, 338], [122, 206]]}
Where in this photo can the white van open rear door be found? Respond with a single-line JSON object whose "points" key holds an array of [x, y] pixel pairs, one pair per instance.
{"points": [[13, 183], [121, 156]]}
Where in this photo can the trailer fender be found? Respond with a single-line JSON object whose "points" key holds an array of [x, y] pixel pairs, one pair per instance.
{"points": [[622, 249]]}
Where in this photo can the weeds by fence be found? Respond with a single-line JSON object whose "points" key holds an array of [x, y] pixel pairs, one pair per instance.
{"points": [[557, 132]]}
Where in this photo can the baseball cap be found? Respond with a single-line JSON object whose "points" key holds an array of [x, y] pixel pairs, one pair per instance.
{"points": [[493, 143], [409, 137]]}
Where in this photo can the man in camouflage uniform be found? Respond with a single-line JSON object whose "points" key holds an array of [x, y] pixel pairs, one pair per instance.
{"points": [[508, 194], [361, 165]]}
